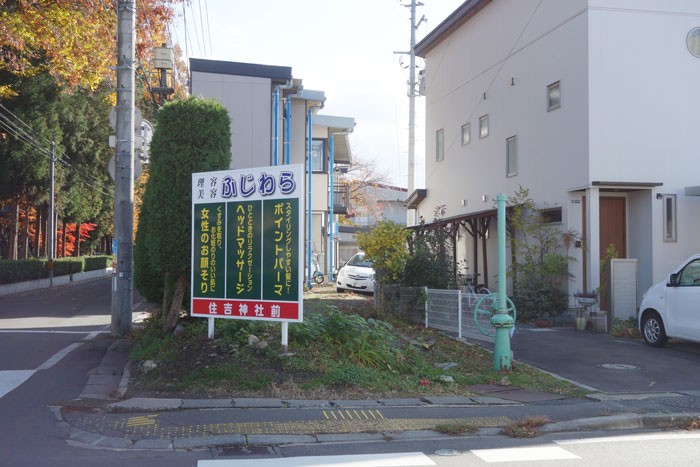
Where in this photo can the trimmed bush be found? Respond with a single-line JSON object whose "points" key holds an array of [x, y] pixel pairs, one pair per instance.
{"points": [[64, 266], [93, 263], [22, 270]]}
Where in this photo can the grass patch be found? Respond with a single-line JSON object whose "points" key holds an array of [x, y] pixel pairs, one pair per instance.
{"points": [[456, 428], [525, 428], [341, 351]]}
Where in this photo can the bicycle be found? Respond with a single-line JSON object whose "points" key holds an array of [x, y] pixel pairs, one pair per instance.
{"points": [[466, 281], [317, 275]]}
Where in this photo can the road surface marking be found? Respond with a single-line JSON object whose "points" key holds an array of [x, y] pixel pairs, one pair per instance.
{"points": [[10, 379], [58, 356], [627, 438], [545, 453], [142, 421], [409, 459]]}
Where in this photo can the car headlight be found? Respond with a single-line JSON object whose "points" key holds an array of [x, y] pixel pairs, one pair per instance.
{"points": [[371, 277]]}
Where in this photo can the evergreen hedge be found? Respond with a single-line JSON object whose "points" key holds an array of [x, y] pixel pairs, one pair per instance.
{"points": [[21, 270]]}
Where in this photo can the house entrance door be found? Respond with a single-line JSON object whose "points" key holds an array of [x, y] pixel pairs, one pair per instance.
{"points": [[613, 225]]}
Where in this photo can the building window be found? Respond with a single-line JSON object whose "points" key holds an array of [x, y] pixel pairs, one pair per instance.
{"points": [[551, 216], [553, 96], [693, 42], [669, 218], [511, 157], [466, 134], [440, 145], [317, 153], [484, 126]]}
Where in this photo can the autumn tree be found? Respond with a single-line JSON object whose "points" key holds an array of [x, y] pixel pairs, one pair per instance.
{"points": [[192, 136], [362, 177], [74, 40]]}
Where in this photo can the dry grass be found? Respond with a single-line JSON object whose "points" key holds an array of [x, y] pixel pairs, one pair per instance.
{"points": [[455, 428], [525, 428]]}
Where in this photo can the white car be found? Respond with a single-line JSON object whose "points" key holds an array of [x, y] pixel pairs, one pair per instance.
{"points": [[357, 274], [671, 308]]}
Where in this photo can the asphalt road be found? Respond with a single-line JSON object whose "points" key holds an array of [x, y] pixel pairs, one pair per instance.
{"points": [[49, 342], [610, 364]]}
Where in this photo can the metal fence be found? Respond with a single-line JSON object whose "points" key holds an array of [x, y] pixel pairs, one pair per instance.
{"points": [[448, 310]]}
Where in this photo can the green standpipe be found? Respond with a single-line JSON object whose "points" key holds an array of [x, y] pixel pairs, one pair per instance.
{"points": [[501, 319]]}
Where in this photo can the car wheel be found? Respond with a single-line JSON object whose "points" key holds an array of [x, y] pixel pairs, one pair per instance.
{"points": [[339, 290], [653, 330]]}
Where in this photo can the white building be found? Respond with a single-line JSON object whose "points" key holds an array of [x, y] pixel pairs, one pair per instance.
{"points": [[270, 115], [590, 104]]}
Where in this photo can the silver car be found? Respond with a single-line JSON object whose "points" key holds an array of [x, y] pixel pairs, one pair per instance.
{"points": [[357, 275]]}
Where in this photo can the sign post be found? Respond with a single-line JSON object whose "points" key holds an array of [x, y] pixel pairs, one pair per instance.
{"points": [[247, 245]]}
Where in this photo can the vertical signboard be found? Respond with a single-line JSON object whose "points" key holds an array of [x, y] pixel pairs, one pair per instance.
{"points": [[247, 244]]}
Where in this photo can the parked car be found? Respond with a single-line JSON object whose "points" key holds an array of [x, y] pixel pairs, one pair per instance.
{"points": [[357, 274], [671, 308]]}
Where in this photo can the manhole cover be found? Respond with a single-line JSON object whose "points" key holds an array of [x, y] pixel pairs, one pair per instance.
{"points": [[447, 452], [619, 366]]}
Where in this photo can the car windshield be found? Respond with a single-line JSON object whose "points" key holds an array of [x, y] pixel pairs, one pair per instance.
{"points": [[359, 261]]}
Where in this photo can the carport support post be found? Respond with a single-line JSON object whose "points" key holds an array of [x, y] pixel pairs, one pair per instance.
{"points": [[501, 320]]}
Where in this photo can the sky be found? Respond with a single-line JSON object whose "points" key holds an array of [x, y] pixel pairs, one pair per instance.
{"points": [[344, 48]]}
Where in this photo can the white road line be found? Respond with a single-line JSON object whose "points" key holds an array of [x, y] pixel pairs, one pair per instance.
{"points": [[545, 453], [10, 379], [629, 438], [408, 459], [93, 334], [58, 356]]}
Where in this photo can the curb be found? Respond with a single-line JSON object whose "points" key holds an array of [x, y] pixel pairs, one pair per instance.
{"points": [[623, 422], [142, 404]]}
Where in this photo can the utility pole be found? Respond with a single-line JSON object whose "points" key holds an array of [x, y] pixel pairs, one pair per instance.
{"points": [[412, 93], [122, 290], [51, 227]]}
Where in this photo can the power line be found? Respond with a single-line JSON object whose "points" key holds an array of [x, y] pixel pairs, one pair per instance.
{"points": [[30, 139], [201, 22], [206, 8]]}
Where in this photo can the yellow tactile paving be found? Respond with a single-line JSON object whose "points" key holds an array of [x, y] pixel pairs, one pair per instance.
{"points": [[332, 421]]}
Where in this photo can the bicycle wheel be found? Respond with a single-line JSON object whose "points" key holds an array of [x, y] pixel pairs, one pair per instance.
{"points": [[318, 278]]}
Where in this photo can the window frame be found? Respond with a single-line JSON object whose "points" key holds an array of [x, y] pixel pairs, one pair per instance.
{"points": [[324, 166], [482, 119], [440, 145], [468, 127], [671, 236], [550, 87], [544, 213], [514, 140]]}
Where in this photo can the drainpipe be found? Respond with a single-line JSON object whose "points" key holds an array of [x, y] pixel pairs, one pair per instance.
{"points": [[332, 171], [287, 124], [288, 85], [308, 232]]}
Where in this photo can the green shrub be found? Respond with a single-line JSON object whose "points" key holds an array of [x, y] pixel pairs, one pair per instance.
{"points": [[65, 266], [93, 263], [367, 343], [22, 270]]}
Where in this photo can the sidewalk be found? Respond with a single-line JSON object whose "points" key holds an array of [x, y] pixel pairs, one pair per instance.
{"points": [[98, 420]]}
